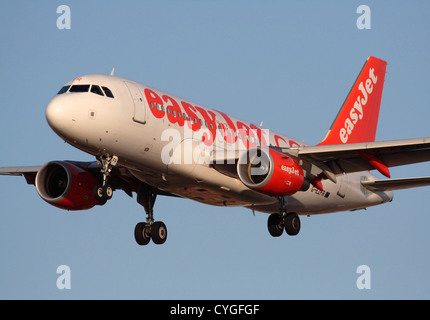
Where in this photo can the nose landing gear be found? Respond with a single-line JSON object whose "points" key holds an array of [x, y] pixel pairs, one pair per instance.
{"points": [[104, 192]]}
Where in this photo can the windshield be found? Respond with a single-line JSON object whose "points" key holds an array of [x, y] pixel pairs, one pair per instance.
{"points": [[80, 88], [63, 89], [102, 91]]}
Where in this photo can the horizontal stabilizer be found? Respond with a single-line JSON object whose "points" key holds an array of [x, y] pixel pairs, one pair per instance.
{"points": [[396, 184]]}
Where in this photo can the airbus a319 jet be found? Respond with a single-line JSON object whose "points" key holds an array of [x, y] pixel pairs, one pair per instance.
{"points": [[152, 143]]}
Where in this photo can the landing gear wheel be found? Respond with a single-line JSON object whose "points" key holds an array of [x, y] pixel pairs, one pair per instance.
{"points": [[141, 234], [275, 225], [292, 224], [103, 194], [158, 232], [104, 191], [98, 194], [107, 192]]}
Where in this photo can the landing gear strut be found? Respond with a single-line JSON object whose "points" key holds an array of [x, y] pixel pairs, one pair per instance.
{"points": [[104, 192], [145, 231], [279, 221]]}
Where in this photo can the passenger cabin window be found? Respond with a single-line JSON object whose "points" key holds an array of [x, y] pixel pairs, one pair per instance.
{"points": [[108, 92], [96, 89], [63, 89], [80, 88]]}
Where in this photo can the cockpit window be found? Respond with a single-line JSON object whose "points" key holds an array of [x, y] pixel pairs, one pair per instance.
{"points": [[63, 89], [86, 88], [80, 88], [108, 92], [96, 89]]}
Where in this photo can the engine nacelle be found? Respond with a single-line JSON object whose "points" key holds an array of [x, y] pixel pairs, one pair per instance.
{"points": [[270, 172], [66, 186]]}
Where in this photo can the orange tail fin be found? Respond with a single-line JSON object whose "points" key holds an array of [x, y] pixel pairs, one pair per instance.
{"points": [[357, 120]]}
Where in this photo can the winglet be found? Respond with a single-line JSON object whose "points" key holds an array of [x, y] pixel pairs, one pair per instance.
{"points": [[357, 120]]}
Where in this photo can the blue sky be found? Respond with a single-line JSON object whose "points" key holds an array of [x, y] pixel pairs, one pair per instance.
{"points": [[289, 64]]}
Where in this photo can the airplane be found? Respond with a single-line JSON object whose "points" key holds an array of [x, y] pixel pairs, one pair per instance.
{"points": [[152, 143]]}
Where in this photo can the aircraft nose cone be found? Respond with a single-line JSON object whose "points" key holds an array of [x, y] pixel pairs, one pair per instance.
{"points": [[53, 113], [59, 115]]}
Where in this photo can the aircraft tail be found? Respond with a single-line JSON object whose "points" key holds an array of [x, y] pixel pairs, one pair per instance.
{"points": [[357, 119]]}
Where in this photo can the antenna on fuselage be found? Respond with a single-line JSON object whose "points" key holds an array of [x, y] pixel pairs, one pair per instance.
{"points": [[112, 72]]}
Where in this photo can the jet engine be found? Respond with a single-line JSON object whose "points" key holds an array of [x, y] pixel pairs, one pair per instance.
{"points": [[66, 186], [271, 172]]}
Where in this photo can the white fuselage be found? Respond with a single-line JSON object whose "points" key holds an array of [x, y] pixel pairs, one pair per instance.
{"points": [[184, 148]]}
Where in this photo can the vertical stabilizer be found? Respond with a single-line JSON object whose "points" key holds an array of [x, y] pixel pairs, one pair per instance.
{"points": [[357, 120]]}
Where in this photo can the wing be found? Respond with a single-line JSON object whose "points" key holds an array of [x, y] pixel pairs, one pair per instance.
{"points": [[18, 171], [121, 178], [29, 172], [333, 160]]}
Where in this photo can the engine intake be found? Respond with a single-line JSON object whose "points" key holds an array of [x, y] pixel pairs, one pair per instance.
{"points": [[270, 172], [66, 186]]}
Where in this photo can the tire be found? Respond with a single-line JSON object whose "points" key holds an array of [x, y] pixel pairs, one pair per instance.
{"points": [[98, 195], [107, 192], [274, 224], [140, 234], [158, 232], [292, 224]]}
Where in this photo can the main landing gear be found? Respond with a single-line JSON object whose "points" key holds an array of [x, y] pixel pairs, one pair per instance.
{"points": [[277, 222], [145, 231]]}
